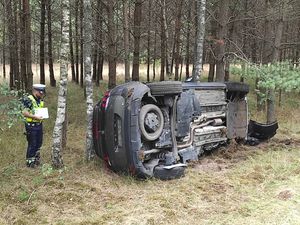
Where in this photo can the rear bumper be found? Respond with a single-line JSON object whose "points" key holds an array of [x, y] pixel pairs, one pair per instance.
{"points": [[118, 129]]}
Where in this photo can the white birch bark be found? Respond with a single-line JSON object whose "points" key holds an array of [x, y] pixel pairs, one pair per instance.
{"points": [[199, 40], [57, 159], [90, 152]]}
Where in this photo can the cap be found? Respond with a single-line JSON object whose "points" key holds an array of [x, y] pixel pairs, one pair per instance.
{"points": [[39, 87]]}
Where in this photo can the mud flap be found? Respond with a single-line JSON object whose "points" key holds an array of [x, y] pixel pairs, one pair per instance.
{"points": [[262, 131]]}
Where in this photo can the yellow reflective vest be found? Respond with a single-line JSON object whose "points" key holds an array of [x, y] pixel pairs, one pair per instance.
{"points": [[35, 106]]}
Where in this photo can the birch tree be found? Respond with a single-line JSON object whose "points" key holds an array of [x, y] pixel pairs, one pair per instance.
{"points": [[199, 41], [57, 160], [87, 30]]}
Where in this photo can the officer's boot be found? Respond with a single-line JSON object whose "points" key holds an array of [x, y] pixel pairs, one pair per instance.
{"points": [[37, 158], [30, 162]]}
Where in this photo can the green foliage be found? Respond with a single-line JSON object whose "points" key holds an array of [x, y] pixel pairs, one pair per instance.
{"points": [[23, 195], [10, 107], [276, 76], [47, 170]]}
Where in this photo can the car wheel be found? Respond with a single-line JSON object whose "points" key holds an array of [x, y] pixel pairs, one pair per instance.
{"points": [[151, 121], [161, 173], [237, 88], [165, 87]]}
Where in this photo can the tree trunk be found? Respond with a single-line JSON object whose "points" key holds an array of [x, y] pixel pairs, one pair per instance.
{"points": [[4, 40], [95, 29], [100, 55], [148, 40], [177, 37], [76, 42], [137, 38], [27, 20], [126, 40], [211, 71], [222, 32], [22, 49], [42, 42], [12, 42], [58, 130], [112, 48], [95, 34], [199, 40], [226, 70], [181, 67], [50, 53], [163, 42], [81, 44], [90, 152], [154, 51], [187, 56], [72, 61], [266, 53], [271, 114], [100, 67], [166, 37], [16, 70]]}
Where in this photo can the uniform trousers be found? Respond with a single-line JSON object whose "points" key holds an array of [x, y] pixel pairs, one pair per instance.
{"points": [[34, 134]]}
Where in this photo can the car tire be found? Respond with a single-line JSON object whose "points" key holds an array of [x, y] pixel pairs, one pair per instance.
{"points": [[156, 134], [165, 87], [237, 88], [161, 173]]}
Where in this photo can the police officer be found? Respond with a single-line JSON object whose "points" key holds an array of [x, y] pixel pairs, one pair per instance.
{"points": [[34, 124]]}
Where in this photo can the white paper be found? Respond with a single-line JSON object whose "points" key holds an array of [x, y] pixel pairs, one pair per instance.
{"points": [[43, 112]]}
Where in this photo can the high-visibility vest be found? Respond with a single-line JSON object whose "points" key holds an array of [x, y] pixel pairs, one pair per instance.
{"points": [[35, 106]]}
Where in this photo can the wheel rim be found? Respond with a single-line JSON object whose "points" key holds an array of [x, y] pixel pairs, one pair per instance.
{"points": [[151, 122]]}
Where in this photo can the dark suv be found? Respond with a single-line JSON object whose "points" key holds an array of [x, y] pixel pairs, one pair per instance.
{"points": [[154, 129]]}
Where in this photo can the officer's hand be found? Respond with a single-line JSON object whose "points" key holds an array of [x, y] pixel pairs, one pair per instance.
{"points": [[38, 117]]}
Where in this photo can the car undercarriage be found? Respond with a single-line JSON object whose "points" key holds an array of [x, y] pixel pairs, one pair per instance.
{"points": [[156, 129]]}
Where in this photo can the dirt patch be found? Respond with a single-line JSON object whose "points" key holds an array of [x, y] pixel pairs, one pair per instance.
{"points": [[223, 158], [285, 195], [210, 165], [227, 156], [288, 142]]}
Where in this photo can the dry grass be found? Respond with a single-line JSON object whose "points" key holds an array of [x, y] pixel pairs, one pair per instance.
{"points": [[235, 185]]}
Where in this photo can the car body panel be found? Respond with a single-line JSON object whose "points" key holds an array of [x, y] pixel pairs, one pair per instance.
{"points": [[237, 119]]}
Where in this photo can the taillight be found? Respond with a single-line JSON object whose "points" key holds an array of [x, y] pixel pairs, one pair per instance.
{"points": [[105, 100], [95, 131]]}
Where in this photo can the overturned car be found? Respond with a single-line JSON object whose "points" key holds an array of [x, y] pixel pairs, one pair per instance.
{"points": [[155, 129]]}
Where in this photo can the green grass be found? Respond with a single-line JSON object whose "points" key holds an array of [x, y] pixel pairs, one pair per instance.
{"points": [[236, 185]]}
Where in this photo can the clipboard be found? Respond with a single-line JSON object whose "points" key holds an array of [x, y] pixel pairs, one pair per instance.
{"points": [[43, 112]]}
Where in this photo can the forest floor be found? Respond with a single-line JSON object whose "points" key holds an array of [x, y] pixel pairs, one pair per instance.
{"points": [[234, 185]]}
